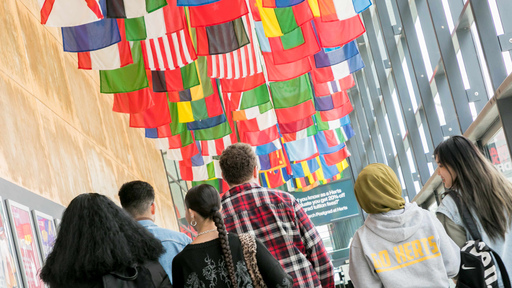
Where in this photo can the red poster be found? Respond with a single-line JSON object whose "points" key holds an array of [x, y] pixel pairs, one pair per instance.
{"points": [[26, 244]]}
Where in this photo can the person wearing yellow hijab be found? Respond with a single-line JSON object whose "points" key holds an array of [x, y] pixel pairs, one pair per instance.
{"points": [[399, 241]]}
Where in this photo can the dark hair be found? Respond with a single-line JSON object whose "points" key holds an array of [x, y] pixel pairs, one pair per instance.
{"points": [[237, 163], [482, 188], [136, 197], [205, 200], [97, 237]]}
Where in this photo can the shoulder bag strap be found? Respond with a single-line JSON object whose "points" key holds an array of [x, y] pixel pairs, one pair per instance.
{"points": [[249, 248], [503, 270], [465, 215]]}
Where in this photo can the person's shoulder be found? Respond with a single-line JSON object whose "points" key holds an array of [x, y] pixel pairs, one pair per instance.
{"points": [[174, 235]]}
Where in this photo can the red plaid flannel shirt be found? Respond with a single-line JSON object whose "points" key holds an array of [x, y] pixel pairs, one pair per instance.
{"points": [[277, 219]]}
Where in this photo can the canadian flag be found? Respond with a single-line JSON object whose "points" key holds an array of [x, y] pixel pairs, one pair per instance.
{"points": [[65, 13]]}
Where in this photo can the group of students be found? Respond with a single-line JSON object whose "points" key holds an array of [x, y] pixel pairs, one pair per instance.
{"points": [[258, 237]]}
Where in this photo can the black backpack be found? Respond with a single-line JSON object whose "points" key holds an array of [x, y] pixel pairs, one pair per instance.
{"points": [[131, 277], [477, 266]]}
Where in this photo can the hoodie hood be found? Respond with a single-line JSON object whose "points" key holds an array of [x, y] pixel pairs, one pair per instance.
{"points": [[396, 227]]}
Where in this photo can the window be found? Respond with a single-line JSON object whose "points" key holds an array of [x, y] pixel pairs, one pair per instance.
{"points": [[499, 154]]}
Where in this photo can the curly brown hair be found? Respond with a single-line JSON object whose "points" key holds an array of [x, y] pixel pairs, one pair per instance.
{"points": [[237, 163]]}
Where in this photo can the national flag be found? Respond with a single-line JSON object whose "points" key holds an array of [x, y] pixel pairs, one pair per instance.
{"points": [[222, 38], [153, 117], [304, 133], [91, 36], [215, 147], [292, 92], [261, 122], [271, 161], [132, 8], [284, 72], [334, 137], [329, 171], [280, 21], [328, 88], [196, 160], [165, 141], [243, 84], [195, 2], [338, 71], [336, 113], [292, 127], [301, 149], [337, 156], [206, 123], [176, 80], [213, 133], [175, 126], [201, 173], [328, 142], [334, 10], [185, 152], [217, 13], [252, 112], [218, 184], [168, 52], [126, 79], [295, 113], [332, 56], [267, 148], [201, 109], [249, 104], [64, 13], [330, 102], [361, 5], [256, 138], [280, 3], [274, 178], [133, 102], [306, 183], [109, 58], [349, 132], [330, 125], [279, 45], [239, 63], [338, 33], [305, 168]]}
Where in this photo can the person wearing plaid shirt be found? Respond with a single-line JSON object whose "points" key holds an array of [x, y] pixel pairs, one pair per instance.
{"points": [[274, 217]]}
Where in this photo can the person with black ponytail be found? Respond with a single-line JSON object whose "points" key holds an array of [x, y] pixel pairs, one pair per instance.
{"points": [[215, 259]]}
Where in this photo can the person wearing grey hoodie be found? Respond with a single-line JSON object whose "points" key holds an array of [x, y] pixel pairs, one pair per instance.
{"points": [[399, 245]]}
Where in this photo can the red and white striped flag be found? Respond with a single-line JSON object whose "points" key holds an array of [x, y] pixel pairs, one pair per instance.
{"points": [[168, 52], [65, 13], [215, 147], [238, 64]]}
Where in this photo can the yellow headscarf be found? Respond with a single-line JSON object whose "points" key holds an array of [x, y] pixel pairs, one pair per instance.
{"points": [[378, 190]]}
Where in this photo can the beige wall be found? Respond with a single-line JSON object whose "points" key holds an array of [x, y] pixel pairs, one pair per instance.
{"points": [[59, 136]]}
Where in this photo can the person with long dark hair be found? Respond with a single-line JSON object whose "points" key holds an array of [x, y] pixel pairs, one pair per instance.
{"points": [[97, 242], [215, 258], [482, 189]]}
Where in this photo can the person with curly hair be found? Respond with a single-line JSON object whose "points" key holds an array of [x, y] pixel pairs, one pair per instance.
{"points": [[215, 259], [99, 244], [274, 217]]}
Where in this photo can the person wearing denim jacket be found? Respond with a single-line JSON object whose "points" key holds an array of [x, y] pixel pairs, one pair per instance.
{"points": [[137, 198]]}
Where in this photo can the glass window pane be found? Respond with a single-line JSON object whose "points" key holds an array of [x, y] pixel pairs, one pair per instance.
{"points": [[499, 154]]}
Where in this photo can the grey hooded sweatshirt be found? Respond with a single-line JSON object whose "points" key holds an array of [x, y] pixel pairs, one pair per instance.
{"points": [[403, 248]]}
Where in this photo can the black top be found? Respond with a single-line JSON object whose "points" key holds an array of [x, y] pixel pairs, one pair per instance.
{"points": [[202, 265]]}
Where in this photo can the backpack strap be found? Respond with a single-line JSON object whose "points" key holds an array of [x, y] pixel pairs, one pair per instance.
{"points": [[503, 270], [466, 216]]}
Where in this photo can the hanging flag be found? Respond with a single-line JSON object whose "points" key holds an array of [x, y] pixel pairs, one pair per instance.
{"points": [[133, 102], [274, 178], [301, 134], [249, 104], [256, 138], [206, 123], [292, 127], [126, 79], [334, 10], [176, 80], [168, 52], [215, 147], [132, 8], [292, 92], [305, 168], [349, 132], [295, 113], [222, 38], [175, 126], [338, 33], [330, 102], [284, 72], [280, 3], [330, 125], [194, 3], [280, 21], [184, 152], [169, 19], [217, 13], [64, 13], [328, 88], [337, 156], [181, 140], [283, 48], [361, 5], [338, 71], [243, 84], [108, 58], [201, 109], [153, 117], [336, 113], [332, 56], [271, 161], [90, 37], [329, 171], [326, 143], [261, 122], [301, 149], [267, 148], [213, 133]]}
